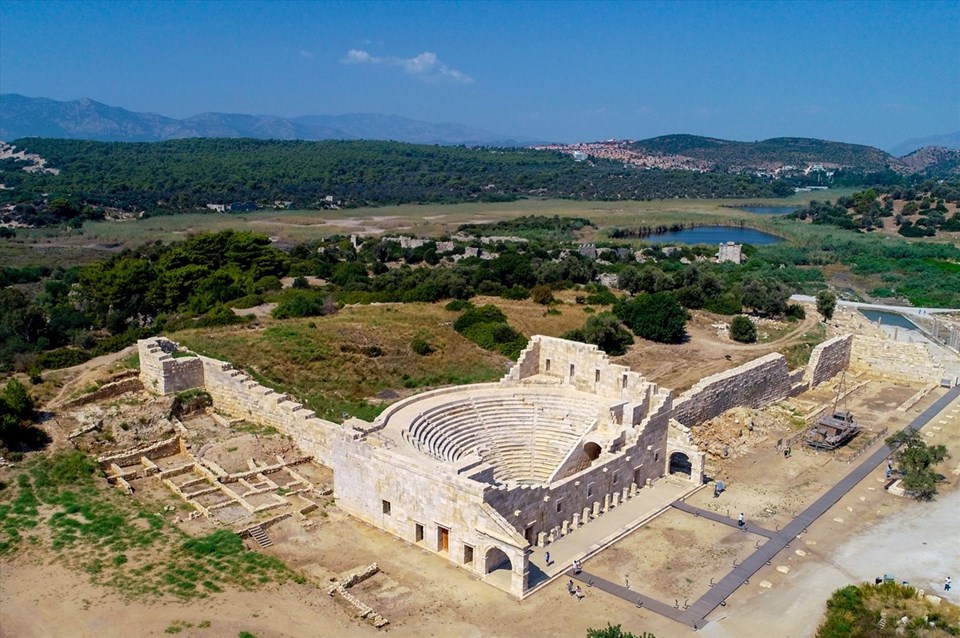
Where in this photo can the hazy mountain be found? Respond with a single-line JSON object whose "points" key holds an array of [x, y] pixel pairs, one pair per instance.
{"points": [[728, 155], [950, 140], [933, 160], [22, 116]]}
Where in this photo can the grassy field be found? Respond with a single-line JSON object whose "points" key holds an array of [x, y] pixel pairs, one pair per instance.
{"points": [[52, 246], [58, 504], [338, 364]]}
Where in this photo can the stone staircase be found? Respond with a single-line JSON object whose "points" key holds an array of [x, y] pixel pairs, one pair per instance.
{"points": [[260, 536]]}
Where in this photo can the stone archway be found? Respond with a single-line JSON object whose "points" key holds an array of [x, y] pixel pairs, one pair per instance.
{"points": [[680, 464], [592, 450], [496, 559]]}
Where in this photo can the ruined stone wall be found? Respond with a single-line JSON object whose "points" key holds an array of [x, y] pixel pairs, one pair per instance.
{"points": [[895, 359], [396, 493], [755, 384], [591, 369], [236, 394], [162, 373], [827, 360], [547, 507]]}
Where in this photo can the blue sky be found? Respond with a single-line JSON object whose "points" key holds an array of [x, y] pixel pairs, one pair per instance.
{"points": [[868, 72]]}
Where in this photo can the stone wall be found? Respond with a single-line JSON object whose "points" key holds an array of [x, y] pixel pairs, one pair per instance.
{"points": [[827, 360], [162, 373], [236, 394], [536, 509], [583, 366], [397, 493], [755, 384]]}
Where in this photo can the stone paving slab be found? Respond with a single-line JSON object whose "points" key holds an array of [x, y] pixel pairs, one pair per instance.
{"points": [[695, 615], [748, 527]]}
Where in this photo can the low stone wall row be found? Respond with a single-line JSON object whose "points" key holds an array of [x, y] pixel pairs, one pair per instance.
{"points": [[235, 393]]}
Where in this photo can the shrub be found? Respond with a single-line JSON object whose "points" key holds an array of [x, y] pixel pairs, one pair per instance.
{"points": [[605, 332], [62, 358], [743, 330], [458, 305], [657, 317], [516, 293], [542, 295], [421, 346], [303, 303], [795, 311]]}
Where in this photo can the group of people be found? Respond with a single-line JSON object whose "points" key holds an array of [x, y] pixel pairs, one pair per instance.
{"points": [[574, 591]]}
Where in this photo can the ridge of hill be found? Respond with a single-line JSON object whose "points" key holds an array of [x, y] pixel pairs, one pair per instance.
{"points": [[775, 153], [22, 116]]}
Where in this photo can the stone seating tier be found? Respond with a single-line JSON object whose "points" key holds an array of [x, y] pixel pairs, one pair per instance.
{"points": [[523, 436]]}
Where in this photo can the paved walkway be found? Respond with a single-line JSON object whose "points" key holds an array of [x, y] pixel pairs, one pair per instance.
{"points": [[752, 528], [600, 533], [906, 310], [695, 615]]}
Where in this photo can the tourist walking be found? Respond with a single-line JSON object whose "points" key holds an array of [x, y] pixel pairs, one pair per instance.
{"points": [[546, 557], [947, 584], [570, 587], [579, 593], [740, 522]]}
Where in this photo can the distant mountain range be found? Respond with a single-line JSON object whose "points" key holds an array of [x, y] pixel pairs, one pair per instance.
{"points": [[86, 119], [706, 153], [950, 141], [22, 116]]}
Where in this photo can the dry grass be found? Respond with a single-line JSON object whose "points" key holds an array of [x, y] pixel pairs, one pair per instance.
{"points": [[339, 363]]}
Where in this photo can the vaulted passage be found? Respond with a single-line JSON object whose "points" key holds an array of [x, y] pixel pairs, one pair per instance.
{"points": [[680, 464], [496, 559]]}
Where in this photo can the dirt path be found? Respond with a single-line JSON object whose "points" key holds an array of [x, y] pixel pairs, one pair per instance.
{"points": [[678, 366], [78, 377]]}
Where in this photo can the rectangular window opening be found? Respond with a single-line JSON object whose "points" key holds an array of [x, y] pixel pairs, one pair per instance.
{"points": [[559, 506], [571, 370], [385, 505], [547, 366], [418, 533], [467, 555]]}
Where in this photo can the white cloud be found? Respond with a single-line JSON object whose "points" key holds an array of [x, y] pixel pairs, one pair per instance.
{"points": [[306, 54], [426, 65]]}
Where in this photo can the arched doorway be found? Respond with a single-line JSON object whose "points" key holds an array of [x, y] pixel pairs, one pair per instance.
{"points": [[680, 464], [592, 450], [496, 559]]}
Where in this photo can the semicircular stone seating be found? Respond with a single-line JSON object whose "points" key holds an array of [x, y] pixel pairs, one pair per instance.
{"points": [[524, 436]]}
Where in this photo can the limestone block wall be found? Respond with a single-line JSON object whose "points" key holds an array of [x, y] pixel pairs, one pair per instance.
{"points": [[535, 509], [581, 365], [160, 372], [895, 359], [827, 360], [397, 493], [754, 384], [235, 393]]}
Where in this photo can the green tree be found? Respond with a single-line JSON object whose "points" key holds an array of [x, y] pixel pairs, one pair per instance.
{"points": [[915, 461], [826, 304], [614, 631], [766, 296], [604, 331], [542, 295], [16, 412], [658, 317], [743, 330]]}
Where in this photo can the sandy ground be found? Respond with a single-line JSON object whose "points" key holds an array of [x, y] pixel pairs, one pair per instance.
{"points": [[869, 532]]}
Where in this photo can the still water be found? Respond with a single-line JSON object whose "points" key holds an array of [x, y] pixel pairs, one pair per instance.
{"points": [[769, 210], [715, 235], [888, 319]]}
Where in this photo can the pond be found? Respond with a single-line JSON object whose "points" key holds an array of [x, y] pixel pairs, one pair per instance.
{"points": [[769, 210], [715, 235], [888, 319]]}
